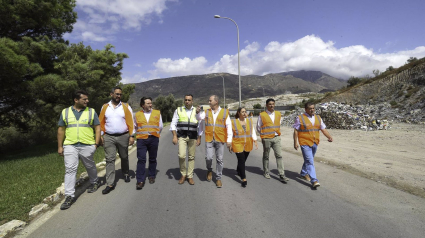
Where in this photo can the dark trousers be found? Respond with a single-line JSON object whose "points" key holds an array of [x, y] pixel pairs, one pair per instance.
{"points": [[241, 163], [149, 145]]}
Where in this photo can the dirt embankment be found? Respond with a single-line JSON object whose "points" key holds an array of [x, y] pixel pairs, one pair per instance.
{"points": [[395, 157]]}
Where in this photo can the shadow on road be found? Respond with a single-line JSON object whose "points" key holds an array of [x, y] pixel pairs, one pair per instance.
{"points": [[173, 173], [231, 173], [202, 174]]}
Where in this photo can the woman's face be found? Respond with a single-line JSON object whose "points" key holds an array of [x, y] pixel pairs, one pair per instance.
{"points": [[243, 114]]}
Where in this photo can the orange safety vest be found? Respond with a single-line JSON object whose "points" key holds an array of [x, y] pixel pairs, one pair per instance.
{"points": [[268, 128], [242, 140], [127, 113], [309, 134], [217, 130], [145, 128]]}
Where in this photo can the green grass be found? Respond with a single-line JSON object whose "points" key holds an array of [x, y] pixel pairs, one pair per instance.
{"points": [[30, 175]]}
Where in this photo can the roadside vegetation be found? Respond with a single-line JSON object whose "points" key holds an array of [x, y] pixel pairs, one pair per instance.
{"points": [[29, 175]]}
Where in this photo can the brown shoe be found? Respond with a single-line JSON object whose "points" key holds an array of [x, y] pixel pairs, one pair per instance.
{"points": [[316, 184], [306, 177], [182, 179], [140, 185], [151, 180], [191, 182], [219, 184], [209, 176]]}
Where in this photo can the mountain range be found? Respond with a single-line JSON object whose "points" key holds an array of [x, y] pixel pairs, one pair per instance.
{"points": [[202, 86]]}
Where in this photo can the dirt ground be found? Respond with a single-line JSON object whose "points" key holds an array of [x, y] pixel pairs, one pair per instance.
{"points": [[395, 157]]}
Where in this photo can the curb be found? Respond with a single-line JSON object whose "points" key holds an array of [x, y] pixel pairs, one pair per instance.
{"points": [[10, 228]]}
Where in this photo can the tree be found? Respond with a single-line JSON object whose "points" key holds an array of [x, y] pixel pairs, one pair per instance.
{"points": [[33, 18], [167, 105], [411, 59], [376, 72], [257, 106], [353, 81], [391, 68]]}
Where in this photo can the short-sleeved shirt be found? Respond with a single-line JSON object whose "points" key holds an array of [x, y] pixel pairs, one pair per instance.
{"points": [[77, 115]]}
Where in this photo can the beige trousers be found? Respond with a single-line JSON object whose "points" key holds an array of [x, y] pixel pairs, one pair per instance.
{"points": [[189, 145]]}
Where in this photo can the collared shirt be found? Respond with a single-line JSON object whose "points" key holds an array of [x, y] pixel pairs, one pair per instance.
{"points": [[260, 123], [312, 119], [147, 116], [115, 119], [173, 125], [77, 115], [201, 116]]}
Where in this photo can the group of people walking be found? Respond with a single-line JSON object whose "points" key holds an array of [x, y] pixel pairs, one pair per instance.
{"points": [[81, 131]]}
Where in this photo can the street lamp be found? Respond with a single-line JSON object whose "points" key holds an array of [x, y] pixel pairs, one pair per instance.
{"points": [[239, 65]]}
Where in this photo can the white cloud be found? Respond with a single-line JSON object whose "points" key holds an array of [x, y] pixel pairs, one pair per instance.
{"points": [[137, 78], [307, 53], [106, 17], [90, 36]]}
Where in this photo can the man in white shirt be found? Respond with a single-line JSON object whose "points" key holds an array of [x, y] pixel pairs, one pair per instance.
{"points": [[148, 130], [185, 129], [117, 128], [218, 132]]}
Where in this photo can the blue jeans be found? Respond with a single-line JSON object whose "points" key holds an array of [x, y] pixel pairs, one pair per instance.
{"points": [[308, 165], [146, 145]]}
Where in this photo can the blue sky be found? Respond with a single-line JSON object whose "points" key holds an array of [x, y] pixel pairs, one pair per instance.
{"points": [[166, 38]]}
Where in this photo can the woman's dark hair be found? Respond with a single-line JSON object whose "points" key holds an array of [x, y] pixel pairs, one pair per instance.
{"points": [[239, 112]]}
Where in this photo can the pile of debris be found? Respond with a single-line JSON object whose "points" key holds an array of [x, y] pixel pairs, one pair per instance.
{"points": [[366, 117]]}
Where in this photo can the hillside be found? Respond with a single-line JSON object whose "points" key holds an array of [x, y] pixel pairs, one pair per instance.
{"points": [[201, 86], [403, 90]]}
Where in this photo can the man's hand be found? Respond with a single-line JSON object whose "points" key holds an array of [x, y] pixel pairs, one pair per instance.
{"points": [[296, 146], [256, 145], [131, 140], [175, 140], [198, 141], [198, 109], [330, 139], [60, 151]]}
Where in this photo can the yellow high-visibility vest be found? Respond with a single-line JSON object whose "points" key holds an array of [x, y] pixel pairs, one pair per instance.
{"points": [[79, 131]]}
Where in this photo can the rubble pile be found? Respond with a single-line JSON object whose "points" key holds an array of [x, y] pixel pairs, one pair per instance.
{"points": [[366, 117]]}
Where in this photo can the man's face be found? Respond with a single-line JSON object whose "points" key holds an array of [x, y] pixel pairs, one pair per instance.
{"points": [[116, 96], [148, 105], [82, 102], [310, 110], [212, 102], [188, 101], [270, 106]]}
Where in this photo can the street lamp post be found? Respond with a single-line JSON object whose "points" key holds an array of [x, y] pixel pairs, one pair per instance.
{"points": [[239, 66], [224, 93]]}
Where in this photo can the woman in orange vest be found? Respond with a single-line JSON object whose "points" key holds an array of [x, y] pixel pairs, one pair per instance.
{"points": [[244, 137]]}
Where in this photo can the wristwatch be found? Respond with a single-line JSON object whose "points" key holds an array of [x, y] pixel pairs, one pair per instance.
{"points": [[97, 145]]}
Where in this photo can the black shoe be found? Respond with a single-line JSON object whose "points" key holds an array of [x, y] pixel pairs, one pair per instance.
{"points": [[151, 180], [93, 188], [126, 178], [108, 189], [244, 183], [283, 179], [68, 202]]}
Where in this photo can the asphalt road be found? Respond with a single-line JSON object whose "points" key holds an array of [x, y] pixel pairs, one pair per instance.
{"points": [[344, 206]]}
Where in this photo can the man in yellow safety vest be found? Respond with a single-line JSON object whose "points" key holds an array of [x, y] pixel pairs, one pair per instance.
{"points": [[77, 140]]}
